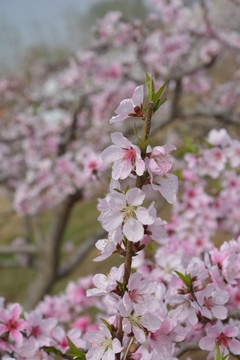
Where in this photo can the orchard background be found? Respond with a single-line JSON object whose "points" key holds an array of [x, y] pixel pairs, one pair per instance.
{"points": [[55, 109]]}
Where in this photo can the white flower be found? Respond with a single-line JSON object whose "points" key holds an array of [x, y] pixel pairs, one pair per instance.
{"points": [[118, 209], [103, 346]]}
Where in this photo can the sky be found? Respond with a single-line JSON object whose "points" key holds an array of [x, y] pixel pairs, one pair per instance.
{"points": [[25, 22]]}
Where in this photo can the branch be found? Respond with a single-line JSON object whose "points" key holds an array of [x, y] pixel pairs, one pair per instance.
{"points": [[178, 74], [17, 264], [10, 141], [26, 249], [175, 110], [81, 253], [69, 133], [38, 230], [185, 348], [227, 117]]}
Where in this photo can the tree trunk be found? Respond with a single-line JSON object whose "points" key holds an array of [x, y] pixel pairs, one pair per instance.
{"points": [[49, 254]]}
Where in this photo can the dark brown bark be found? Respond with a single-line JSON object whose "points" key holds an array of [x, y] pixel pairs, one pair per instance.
{"points": [[49, 253]]}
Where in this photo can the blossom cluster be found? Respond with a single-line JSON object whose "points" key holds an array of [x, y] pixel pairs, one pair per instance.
{"points": [[186, 291]]}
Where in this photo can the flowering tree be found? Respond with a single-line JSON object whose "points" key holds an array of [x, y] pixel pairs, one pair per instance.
{"points": [[50, 116], [184, 296]]}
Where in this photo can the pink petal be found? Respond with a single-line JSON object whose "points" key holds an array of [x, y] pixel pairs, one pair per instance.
{"points": [[143, 216], [3, 329], [135, 197], [206, 343], [116, 346], [167, 185], [126, 107], [140, 167], [121, 169], [118, 118], [133, 230], [112, 153], [220, 312], [234, 346], [138, 96], [16, 335], [15, 312], [119, 140], [139, 334]]}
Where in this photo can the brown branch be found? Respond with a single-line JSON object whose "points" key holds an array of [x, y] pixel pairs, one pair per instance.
{"points": [[17, 264], [23, 249], [38, 230], [178, 74], [12, 140], [226, 117], [50, 249], [69, 133], [175, 104]]}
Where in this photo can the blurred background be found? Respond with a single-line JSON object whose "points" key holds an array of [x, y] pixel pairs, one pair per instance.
{"points": [[53, 28]]}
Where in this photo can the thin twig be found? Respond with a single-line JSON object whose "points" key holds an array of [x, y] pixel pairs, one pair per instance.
{"points": [[128, 347]]}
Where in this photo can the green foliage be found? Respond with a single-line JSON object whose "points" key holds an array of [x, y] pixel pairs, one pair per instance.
{"points": [[51, 349], [74, 351], [150, 87], [153, 96], [188, 147], [185, 278], [179, 174], [107, 325], [220, 356]]}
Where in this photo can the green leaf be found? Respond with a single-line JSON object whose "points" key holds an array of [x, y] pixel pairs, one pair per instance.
{"points": [[185, 278], [107, 325], [220, 356], [150, 247], [117, 190], [159, 103], [74, 351], [122, 286], [217, 351], [150, 87], [51, 349], [209, 146], [179, 174], [127, 188], [159, 93], [190, 146]]}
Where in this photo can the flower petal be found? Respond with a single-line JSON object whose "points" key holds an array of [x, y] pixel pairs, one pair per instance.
{"points": [[133, 230]]}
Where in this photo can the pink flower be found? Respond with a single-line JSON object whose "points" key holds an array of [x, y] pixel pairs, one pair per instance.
{"points": [[224, 335], [118, 209], [129, 107], [39, 328], [107, 246], [140, 296], [11, 323], [157, 229], [125, 155], [106, 283], [104, 347], [159, 161], [60, 338], [136, 323], [211, 302], [167, 185]]}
